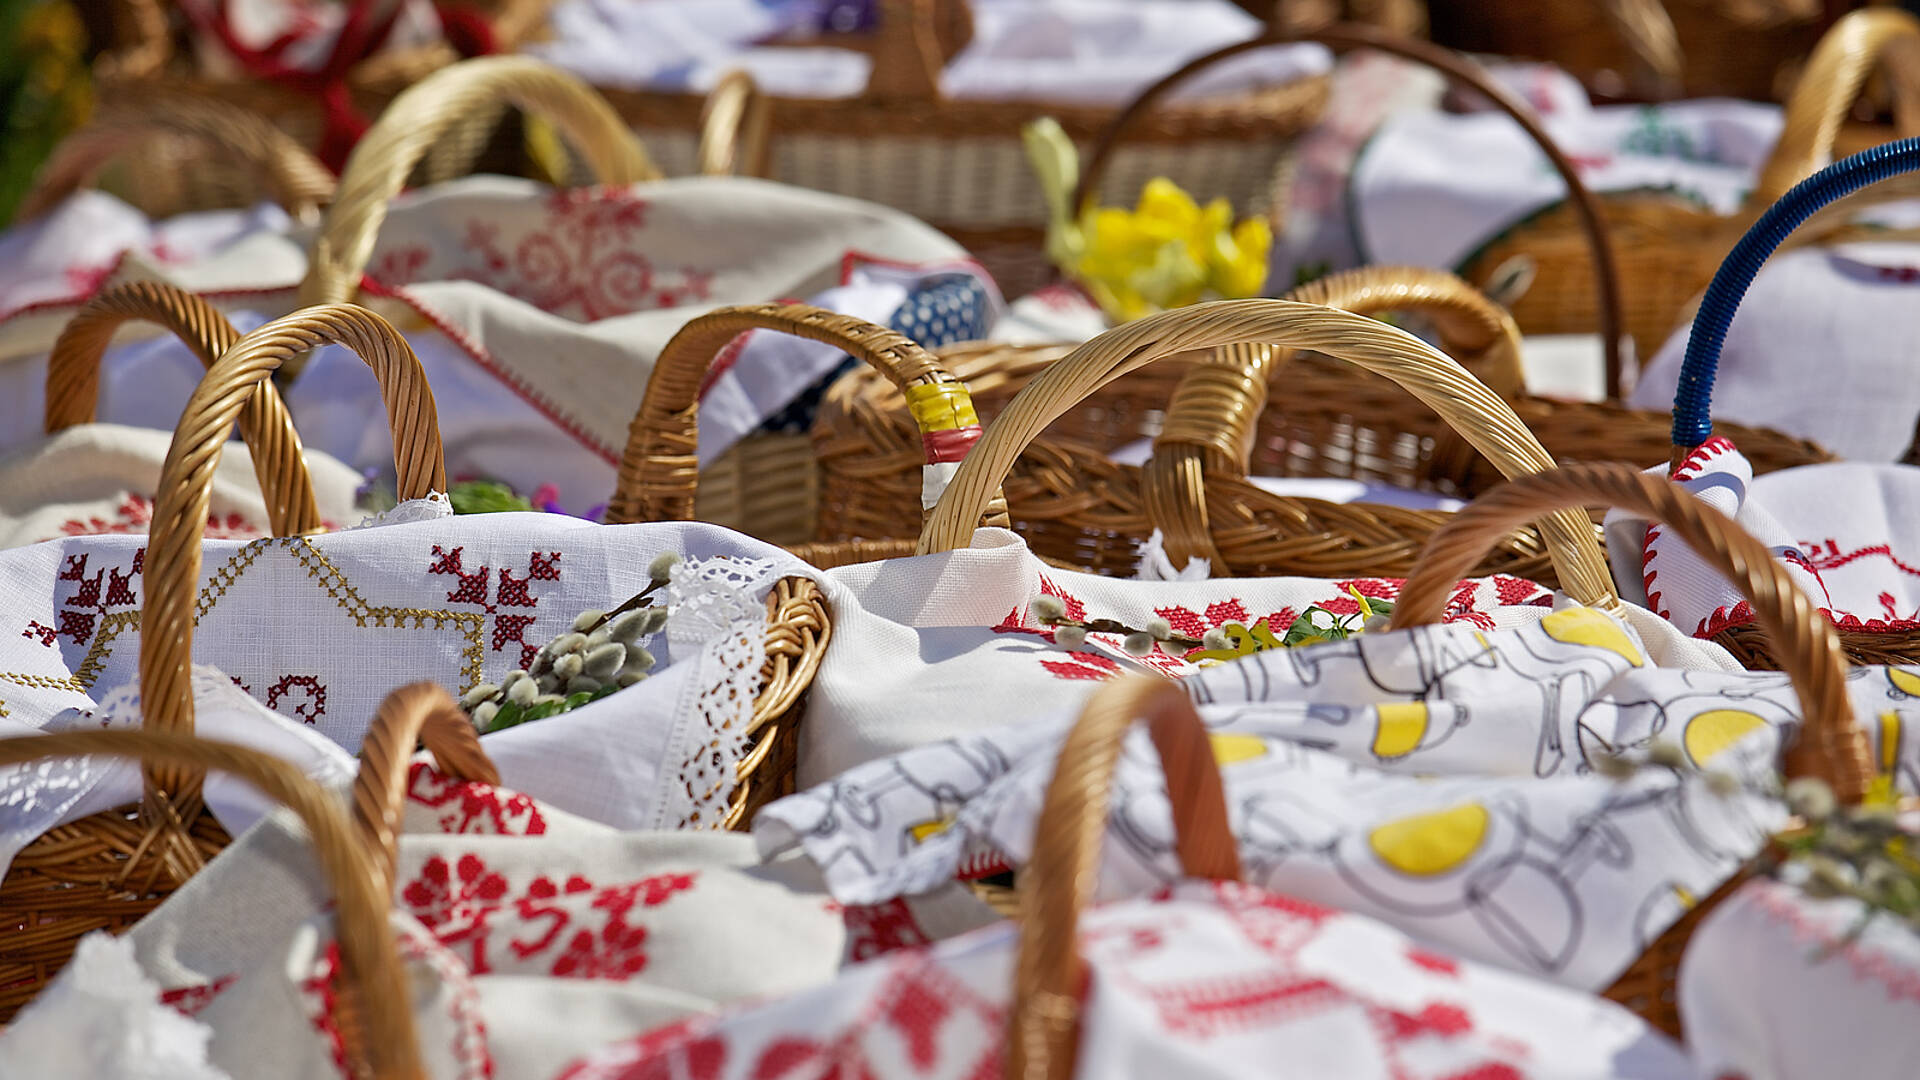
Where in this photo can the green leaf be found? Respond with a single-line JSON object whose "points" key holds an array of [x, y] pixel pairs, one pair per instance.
{"points": [[576, 700], [485, 497], [610, 688], [510, 715], [545, 709]]}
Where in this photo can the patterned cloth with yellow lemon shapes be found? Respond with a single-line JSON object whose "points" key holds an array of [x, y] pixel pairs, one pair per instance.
{"points": [[1441, 779]]}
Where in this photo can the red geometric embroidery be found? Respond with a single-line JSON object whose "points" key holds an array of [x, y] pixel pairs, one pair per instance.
{"points": [[876, 929], [95, 596], [473, 807], [135, 515], [311, 703], [510, 592]]}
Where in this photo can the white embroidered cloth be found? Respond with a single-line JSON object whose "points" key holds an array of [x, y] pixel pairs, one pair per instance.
{"points": [[1431, 188], [1210, 981], [1437, 779], [308, 635], [536, 313], [1099, 52], [911, 637], [100, 478], [529, 936], [1776, 987], [1818, 350], [1846, 531]]}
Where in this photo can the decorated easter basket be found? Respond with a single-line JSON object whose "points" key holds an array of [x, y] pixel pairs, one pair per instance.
{"points": [[902, 144]]}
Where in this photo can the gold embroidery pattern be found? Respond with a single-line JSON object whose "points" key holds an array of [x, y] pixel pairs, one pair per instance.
{"points": [[324, 573]]}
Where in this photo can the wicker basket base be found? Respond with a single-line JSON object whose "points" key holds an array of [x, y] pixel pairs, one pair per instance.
{"points": [[98, 873]]}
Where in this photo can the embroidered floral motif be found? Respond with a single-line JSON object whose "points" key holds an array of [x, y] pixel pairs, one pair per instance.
{"points": [[583, 263], [307, 698], [572, 929], [511, 592], [108, 590], [877, 929], [468, 806], [135, 515]]}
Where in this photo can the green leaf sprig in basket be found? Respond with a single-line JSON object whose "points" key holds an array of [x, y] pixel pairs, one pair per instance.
{"points": [[598, 656]]}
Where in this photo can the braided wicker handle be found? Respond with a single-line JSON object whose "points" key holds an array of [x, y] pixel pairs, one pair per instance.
{"points": [[1058, 881], [370, 965], [733, 128], [1648, 32], [180, 506], [914, 42], [660, 469], [381, 162], [1212, 420], [417, 713], [1835, 74], [1830, 745], [1458, 69], [299, 183], [73, 388], [1485, 421]]}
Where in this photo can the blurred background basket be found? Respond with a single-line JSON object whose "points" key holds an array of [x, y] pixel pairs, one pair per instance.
{"points": [[959, 164]]}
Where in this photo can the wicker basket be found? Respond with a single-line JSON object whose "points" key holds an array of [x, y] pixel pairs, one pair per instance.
{"points": [[106, 871], [1101, 518], [1670, 248], [178, 153], [959, 164], [764, 483], [658, 480], [1648, 49], [379, 1039], [1830, 744], [147, 60]]}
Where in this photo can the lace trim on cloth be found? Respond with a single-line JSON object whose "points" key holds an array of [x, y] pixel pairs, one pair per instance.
{"points": [[717, 617], [431, 508], [39, 795], [1156, 566]]}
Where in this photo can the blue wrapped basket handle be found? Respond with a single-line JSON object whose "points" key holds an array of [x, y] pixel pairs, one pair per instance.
{"points": [[1692, 402]]}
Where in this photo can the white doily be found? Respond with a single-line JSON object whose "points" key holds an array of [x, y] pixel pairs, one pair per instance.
{"points": [[717, 615], [1156, 566]]}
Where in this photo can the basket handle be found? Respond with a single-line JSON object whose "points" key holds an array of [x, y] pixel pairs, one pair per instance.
{"points": [[1648, 32], [1830, 746], [417, 713], [1214, 415], [660, 470], [372, 977], [180, 506], [1058, 881], [378, 168], [73, 388], [1693, 399], [1836, 72], [733, 128], [1458, 69], [1486, 422], [912, 44], [300, 184]]}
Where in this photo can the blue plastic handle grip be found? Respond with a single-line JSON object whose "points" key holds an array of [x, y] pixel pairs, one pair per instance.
{"points": [[1692, 403]]}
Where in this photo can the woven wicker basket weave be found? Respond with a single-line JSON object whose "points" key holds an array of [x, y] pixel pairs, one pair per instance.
{"points": [[182, 153], [1669, 248], [1106, 519], [380, 1039], [959, 164], [147, 61], [73, 388], [1348, 422], [658, 480], [1829, 745], [1647, 49], [108, 870]]}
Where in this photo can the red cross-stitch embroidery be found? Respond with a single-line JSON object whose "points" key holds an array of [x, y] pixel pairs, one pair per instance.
{"points": [[135, 515], [80, 612], [306, 697], [467, 806], [512, 592], [877, 929]]}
